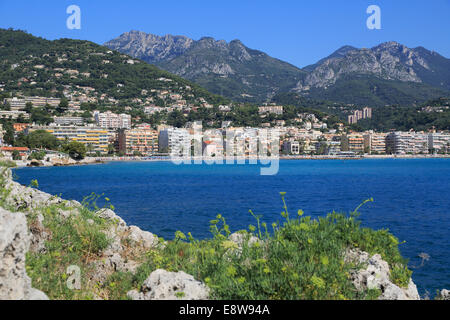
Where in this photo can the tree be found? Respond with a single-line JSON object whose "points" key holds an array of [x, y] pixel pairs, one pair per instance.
{"points": [[63, 106], [40, 139], [28, 107], [76, 150], [16, 155], [40, 116], [8, 136]]}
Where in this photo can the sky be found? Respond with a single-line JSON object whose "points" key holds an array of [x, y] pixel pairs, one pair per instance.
{"points": [[297, 31]]}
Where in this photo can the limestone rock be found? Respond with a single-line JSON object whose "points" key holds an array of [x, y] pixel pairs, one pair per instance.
{"points": [[376, 275], [144, 238], [164, 285], [108, 214], [444, 294], [26, 199], [240, 238], [14, 243]]}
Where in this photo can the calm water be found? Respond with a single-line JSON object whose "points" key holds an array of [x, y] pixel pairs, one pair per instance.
{"points": [[411, 198]]}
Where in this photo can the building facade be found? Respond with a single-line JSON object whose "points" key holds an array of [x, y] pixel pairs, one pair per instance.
{"points": [[407, 143], [141, 140], [111, 120], [94, 138]]}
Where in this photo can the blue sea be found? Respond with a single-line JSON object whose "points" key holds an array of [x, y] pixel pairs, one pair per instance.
{"points": [[411, 198]]}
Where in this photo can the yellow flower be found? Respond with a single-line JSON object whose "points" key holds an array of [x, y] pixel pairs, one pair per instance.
{"points": [[318, 282], [231, 271], [303, 226], [229, 245]]}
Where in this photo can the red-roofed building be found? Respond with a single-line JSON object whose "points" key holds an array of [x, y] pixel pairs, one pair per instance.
{"points": [[23, 151], [19, 127]]}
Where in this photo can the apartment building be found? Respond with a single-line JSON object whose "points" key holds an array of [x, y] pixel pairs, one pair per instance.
{"points": [[357, 115], [271, 109], [65, 121], [111, 120], [142, 139], [13, 114], [175, 141], [94, 138], [18, 103], [212, 143], [367, 113], [375, 142], [352, 142], [439, 142], [407, 143], [291, 147]]}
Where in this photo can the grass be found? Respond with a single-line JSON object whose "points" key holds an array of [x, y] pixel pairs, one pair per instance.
{"points": [[77, 240], [300, 258], [7, 163]]}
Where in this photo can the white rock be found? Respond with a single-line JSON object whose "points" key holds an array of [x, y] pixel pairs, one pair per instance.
{"points": [[146, 239], [376, 275], [14, 243], [240, 238], [164, 285]]}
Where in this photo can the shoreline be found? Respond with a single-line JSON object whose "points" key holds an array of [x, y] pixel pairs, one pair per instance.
{"points": [[245, 160]]}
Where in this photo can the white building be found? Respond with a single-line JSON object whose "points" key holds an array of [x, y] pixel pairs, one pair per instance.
{"points": [[407, 142], [439, 142], [175, 141], [111, 120]]}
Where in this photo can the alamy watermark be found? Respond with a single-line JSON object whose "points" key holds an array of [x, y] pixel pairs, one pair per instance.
{"points": [[74, 20], [74, 277], [223, 146], [374, 20]]}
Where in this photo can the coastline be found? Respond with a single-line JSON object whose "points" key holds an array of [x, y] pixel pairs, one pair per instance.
{"points": [[105, 160]]}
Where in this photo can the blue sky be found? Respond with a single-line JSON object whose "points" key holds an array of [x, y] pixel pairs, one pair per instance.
{"points": [[300, 32]]}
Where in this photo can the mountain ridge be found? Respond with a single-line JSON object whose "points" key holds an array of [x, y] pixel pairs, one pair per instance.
{"points": [[243, 74]]}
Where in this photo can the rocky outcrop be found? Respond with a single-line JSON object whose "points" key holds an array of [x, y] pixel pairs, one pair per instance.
{"points": [[164, 285], [242, 238], [444, 295], [388, 61], [124, 240], [24, 198], [14, 244], [376, 275]]}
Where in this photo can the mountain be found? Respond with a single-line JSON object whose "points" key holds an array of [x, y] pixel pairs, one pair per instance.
{"points": [[386, 74], [227, 68], [35, 66], [340, 53]]}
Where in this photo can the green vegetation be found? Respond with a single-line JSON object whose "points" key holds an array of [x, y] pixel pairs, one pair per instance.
{"points": [[76, 150], [75, 240], [106, 70], [402, 117], [7, 163], [366, 90], [39, 139], [406, 118]]}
